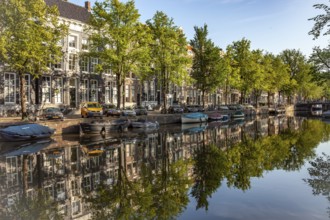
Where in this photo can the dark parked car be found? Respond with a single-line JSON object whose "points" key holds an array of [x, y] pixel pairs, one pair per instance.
{"points": [[53, 113], [191, 108], [111, 110], [141, 110], [200, 108], [175, 109]]}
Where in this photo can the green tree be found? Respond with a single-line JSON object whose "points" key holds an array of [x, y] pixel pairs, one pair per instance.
{"points": [[119, 40], [29, 36], [208, 67], [257, 77], [231, 74], [299, 71], [321, 21], [242, 64], [169, 53]]}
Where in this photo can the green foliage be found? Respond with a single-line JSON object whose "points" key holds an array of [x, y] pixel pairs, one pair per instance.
{"points": [[119, 40], [208, 67], [168, 51], [29, 36], [321, 21]]}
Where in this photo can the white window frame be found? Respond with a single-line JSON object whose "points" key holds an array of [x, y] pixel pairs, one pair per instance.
{"points": [[10, 88], [76, 207], [58, 84], [94, 90], [93, 64], [84, 90], [72, 61], [84, 64], [72, 41], [84, 44], [46, 89]]}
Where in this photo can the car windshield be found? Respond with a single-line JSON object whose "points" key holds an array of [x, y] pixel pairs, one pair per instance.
{"points": [[93, 105]]}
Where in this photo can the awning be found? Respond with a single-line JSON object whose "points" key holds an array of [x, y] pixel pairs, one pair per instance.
{"points": [[29, 149]]}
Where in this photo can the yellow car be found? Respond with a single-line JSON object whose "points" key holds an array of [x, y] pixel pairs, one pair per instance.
{"points": [[91, 109]]}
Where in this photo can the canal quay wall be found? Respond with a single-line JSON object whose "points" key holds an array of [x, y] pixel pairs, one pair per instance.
{"points": [[70, 125]]}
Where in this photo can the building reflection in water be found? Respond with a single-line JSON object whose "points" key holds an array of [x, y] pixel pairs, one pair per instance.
{"points": [[147, 166]]}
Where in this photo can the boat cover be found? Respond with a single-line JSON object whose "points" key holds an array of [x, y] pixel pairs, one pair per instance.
{"points": [[27, 130], [195, 115]]}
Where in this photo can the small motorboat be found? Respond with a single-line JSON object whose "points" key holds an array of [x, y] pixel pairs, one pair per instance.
{"points": [[195, 117], [97, 127], [326, 114], [143, 123], [26, 132], [216, 116], [238, 115]]}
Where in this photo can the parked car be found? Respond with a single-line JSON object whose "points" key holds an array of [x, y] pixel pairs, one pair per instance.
{"points": [[191, 108], [128, 111], [175, 109], [91, 109], [141, 110], [111, 110], [52, 113], [200, 108], [223, 107]]}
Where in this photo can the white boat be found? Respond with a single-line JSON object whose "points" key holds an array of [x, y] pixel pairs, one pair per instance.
{"points": [[326, 114], [195, 117], [142, 123]]}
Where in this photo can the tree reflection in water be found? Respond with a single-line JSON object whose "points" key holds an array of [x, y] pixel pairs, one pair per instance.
{"points": [[161, 194], [251, 157], [320, 177]]}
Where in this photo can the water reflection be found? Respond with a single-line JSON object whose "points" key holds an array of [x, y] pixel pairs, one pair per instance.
{"points": [[320, 177], [148, 174]]}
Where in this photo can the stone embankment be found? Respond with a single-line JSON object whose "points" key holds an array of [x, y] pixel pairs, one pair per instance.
{"points": [[70, 125]]}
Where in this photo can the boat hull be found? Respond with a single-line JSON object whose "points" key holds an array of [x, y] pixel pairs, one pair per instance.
{"points": [[104, 127], [194, 118]]}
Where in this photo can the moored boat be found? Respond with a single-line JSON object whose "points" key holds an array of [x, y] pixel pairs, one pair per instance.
{"points": [[193, 128], [196, 117], [326, 114], [238, 114], [26, 132], [96, 127], [143, 123]]}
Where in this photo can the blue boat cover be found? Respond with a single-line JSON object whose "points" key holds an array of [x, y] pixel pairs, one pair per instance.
{"points": [[27, 130], [195, 115]]}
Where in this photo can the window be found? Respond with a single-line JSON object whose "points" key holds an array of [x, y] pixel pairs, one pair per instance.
{"points": [[133, 93], [84, 64], [75, 188], [12, 171], [127, 87], [58, 90], [84, 44], [9, 87], [27, 88], [46, 85], [73, 41], [84, 90], [76, 209], [94, 91], [94, 62], [72, 61]]}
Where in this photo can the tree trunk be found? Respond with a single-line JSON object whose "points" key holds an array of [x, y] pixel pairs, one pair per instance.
{"points": [[123, 84], [268, 99], [226, 94], [23, 96], [203, 97], [118, 79]]}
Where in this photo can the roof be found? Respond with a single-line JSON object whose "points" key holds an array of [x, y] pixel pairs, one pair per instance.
{"points": [[70, 11]]}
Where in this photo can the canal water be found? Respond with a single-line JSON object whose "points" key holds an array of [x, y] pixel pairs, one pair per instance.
{"points": [[265, 168]]}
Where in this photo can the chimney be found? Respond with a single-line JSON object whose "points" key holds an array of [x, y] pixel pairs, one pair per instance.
{"points": [[88, 6]]}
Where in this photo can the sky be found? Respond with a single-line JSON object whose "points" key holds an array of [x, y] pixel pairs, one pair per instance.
{"points": [[270, 25]]}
